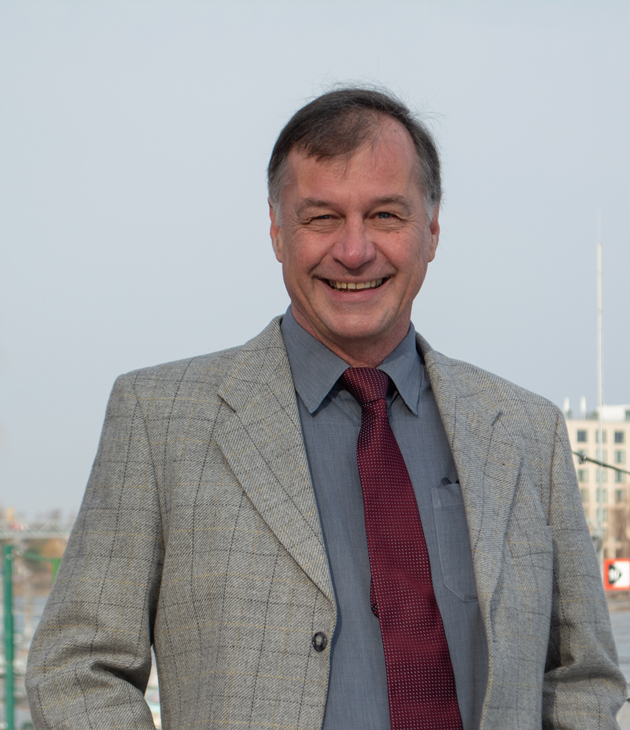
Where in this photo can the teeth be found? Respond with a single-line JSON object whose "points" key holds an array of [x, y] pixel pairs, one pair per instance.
{"points": [[358, 285]]}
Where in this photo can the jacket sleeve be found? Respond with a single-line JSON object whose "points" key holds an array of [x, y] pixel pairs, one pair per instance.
{"points": [[91, 655], [583, 686]]}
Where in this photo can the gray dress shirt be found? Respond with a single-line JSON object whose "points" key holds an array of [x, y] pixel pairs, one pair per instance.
{"points": [[331, 420]]}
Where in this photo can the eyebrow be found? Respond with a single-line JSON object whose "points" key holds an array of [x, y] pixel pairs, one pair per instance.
{"points": [[313, 203], [388, 200], [394, 200]]}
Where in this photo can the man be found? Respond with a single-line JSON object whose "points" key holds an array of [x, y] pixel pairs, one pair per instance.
{"points": [[333, 525]]}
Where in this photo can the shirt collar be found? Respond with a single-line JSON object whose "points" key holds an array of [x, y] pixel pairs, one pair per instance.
{"points": [[316, 369]]}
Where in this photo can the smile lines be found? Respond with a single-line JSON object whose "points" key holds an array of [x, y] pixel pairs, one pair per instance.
{"points": [[339, 285]]}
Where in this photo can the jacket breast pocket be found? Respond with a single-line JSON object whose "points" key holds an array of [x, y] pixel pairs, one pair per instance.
{"points": [[453, 541]]}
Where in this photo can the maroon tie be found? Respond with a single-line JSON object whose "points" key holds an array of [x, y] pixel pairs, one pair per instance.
{"points": [[420, 681]]}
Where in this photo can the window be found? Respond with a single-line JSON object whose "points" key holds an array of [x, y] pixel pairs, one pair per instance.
{"points": [[620, 495], [581, 437], [620, 457], [604, 495], [584, 495], [597, 436], [620, 437], [604, 475], [583, 475], [620, 477], [627, 415]]}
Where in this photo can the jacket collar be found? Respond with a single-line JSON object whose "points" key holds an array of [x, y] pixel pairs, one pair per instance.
{"points": [[316, 369], [260, 435]]}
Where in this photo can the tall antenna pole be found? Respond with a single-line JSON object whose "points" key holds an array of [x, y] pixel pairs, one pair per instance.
{"points": [[600, 392]]}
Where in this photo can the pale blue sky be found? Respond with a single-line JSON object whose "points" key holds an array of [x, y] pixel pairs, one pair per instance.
{"points": [[133, 214]]}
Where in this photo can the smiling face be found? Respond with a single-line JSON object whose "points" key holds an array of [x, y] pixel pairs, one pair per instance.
{"points": [[355, 242]]}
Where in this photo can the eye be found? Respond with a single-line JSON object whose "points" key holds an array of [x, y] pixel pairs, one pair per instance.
{"points": [[323, 221], [318, 218], [384, 215]]}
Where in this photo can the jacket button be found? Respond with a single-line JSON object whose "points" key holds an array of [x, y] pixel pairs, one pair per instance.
{"points": [[319, 641]]}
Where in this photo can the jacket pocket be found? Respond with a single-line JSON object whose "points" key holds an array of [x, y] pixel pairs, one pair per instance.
{"points": [[454, 541]]}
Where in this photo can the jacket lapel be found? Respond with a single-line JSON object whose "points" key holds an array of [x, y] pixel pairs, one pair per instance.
{"points": [[259, 433], [488, 465]]}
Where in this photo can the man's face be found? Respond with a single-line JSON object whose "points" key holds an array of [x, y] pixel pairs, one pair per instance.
{"points": [[355, 243]]}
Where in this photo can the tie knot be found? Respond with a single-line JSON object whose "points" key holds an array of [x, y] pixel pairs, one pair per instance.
{"points": [[365, 384]]}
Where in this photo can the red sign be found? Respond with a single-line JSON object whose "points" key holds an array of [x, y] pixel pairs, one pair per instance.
{"points": [[617, 574]]}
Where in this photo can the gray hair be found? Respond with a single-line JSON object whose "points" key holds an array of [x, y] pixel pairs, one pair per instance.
{"points": [[338, 123]]}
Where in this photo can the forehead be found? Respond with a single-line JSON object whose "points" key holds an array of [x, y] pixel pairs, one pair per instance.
{"points": [[388, 159]]}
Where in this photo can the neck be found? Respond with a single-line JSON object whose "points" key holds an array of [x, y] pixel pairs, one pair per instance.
{"points": [[358, 357], [359, 353]]}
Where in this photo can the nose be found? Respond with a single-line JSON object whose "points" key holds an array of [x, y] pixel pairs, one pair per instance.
{"points": [[353, 249]]}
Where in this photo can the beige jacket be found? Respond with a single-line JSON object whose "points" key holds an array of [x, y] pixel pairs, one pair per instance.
{"points": [[199, 533]]}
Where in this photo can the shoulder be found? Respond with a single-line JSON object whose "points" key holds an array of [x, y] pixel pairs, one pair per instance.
{"points": [[197, 378], [467, 382], [187, 373]]}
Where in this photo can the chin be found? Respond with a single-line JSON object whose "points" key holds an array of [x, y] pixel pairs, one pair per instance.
{"points": [[357, 332]]}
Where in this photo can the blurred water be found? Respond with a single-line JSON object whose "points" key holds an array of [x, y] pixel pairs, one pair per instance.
{"points": [[621, 629], [26, 619]]}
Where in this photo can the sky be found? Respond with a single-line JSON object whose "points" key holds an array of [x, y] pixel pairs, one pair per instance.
{"points": [[134, 229]]}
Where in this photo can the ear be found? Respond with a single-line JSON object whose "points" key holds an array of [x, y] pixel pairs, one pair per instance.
{"points": [[434, 230], [275, 231]]}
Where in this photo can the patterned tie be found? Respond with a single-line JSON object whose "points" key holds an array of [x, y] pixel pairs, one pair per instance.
{"points": [[420, 681]]}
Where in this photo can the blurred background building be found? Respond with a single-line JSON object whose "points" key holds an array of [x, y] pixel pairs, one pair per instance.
{"points": [[614, 499]]}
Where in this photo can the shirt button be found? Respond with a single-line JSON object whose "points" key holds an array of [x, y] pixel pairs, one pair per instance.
{"points": [[319, 641]]}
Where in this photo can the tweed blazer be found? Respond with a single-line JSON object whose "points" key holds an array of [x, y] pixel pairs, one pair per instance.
{"points": [[199, 534]]}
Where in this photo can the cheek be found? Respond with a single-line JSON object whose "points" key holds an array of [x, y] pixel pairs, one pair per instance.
{"points": [[292, 266], [295, 270], [415, 271], [302, 257], [409, 260]]}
